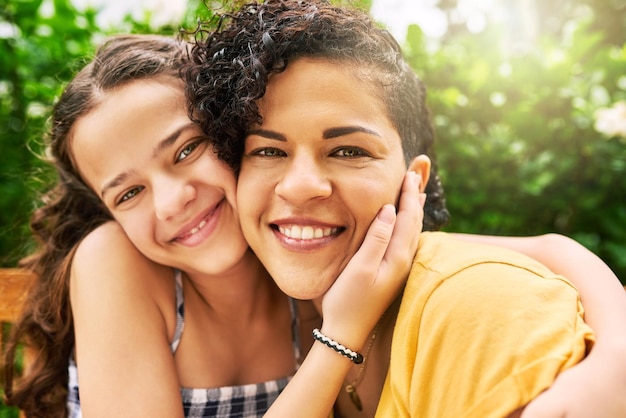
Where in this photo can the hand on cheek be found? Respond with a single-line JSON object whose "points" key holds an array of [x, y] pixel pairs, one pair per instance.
{"points": [[377, 272]]}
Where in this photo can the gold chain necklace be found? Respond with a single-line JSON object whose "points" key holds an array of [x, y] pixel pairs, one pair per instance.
{"points": [[351, 387]]}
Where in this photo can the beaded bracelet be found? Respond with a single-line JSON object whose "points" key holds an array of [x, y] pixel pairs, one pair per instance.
{"points": [[344, 351]]}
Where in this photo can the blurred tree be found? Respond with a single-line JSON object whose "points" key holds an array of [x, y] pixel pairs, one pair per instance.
{"points": [[37, 50], [517, 143]]}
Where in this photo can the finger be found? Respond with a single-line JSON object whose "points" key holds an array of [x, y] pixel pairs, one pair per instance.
{"points": [[409, 221], [341, 310], [369, 256]]}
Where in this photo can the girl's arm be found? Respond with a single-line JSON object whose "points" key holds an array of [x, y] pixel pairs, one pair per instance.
{"points": [[601, 292], [125, 364], [354, 304], [604, 299]]}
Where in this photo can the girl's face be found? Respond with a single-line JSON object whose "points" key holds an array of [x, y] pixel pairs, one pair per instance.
{"points": [[156, 173], [315, 173]]}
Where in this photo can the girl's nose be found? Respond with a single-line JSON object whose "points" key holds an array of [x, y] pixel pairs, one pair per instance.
{"points": [[171, 197]]}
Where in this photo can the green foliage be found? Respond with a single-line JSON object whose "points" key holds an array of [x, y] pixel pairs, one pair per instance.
{"points": [[518, 151], [32, 62]]}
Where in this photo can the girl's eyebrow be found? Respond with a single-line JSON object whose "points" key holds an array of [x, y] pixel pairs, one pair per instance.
{"points": [[157, 150], [171, 139], [328, 133]]}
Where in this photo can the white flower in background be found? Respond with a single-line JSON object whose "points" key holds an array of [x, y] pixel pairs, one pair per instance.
{"points": [[112, 12], [397, 15], [611, 121]]}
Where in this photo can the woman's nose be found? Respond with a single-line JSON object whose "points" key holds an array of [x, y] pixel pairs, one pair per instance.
{"points": [[304, 180]]}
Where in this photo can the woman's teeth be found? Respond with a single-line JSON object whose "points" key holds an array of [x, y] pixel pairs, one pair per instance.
{"points": [[306, 232]]}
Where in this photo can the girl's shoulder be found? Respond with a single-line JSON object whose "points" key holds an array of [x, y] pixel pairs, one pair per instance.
{"points": [[107, 268], [108, 249]]}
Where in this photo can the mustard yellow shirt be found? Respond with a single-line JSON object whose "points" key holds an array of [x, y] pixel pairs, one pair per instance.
{"points": [[481, 331]]}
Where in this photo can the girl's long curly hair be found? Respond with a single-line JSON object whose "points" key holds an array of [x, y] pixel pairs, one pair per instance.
{"points": [[68, 212], [231, 65]]}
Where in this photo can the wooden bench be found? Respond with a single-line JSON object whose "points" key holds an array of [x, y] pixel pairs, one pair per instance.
{"points": [[14, 285]]}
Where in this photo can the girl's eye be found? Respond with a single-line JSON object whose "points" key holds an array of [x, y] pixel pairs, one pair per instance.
{"points": [[268, 152], [129, 195], [350, 152], [187, 151]]}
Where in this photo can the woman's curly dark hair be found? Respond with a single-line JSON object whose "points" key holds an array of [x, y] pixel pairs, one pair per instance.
{"points": [[231, 65], [68, 212]]}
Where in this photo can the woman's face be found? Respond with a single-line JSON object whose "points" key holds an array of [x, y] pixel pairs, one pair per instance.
{"points": [[315, 173], [156, 173]]}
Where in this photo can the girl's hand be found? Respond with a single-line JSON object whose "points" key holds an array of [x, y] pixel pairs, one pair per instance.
{"points": [[594, 388], [378, 271]]}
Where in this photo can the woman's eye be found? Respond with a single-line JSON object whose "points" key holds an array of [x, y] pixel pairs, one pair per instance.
{"points": [[268, 152], [187, 151], [350, 152], [129, 195]]}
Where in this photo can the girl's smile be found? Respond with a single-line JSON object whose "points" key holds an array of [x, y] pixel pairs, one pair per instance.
{"points": [[159, 178]]}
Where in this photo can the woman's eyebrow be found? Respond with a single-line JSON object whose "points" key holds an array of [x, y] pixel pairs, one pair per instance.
{"points": [[347, 130], [328, 133], [265, 133]]}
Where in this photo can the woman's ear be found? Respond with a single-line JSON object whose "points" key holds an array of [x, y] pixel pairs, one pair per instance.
{"points": [[421, 165]]}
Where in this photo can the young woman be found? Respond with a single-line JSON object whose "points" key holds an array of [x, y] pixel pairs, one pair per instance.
{"points": [[330, 113]]}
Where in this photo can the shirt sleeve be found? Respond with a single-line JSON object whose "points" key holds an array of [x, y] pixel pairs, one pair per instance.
{"points": [[492, 337]]}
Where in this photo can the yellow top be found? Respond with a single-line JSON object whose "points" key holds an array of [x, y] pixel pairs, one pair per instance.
{"points": [[481, 331]]}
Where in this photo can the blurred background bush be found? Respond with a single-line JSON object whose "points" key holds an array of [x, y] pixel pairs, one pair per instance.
{"points": [[528, 99]]}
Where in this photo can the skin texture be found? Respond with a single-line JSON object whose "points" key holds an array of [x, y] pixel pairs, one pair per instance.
{"points": [[304, 166]]}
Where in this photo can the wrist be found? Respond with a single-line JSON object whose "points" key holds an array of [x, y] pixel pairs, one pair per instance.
{"points": [[338, 347]]}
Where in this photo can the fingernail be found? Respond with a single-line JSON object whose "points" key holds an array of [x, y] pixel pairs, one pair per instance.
{"points": [[387, 214], [422, 198]]}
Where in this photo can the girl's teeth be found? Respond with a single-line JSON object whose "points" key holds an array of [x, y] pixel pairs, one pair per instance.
{"points": [[197, 228]]}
